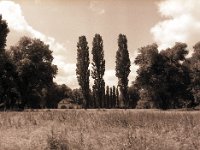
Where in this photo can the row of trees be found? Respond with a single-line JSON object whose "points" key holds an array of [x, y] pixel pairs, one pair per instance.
{"points": [[98, 100], [112, 97], [168, 79], [165, 79], [26, 74]]}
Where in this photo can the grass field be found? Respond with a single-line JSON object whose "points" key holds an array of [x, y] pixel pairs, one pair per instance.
{"points": [[100, 129]]}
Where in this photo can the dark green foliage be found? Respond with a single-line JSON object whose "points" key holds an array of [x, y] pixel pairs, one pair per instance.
{"points": [[117, 98], [98, 66], [176, 78], [107, 97], [94, 99], [146, 100], [110, 97], [77, 96], [166, 79], [9, 91], [3, 33], [35, 71], [56, 93], [8, 88], [113, 97], [193, 64], [123, 67], [147, 57], [162, 78], [134, 97], [82, 70]]}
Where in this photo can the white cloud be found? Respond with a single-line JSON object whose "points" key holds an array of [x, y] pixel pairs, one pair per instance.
{"points": [[111, 79], [70, 74], [95, 6], [181, 24], [133, 69], [12, 13]]}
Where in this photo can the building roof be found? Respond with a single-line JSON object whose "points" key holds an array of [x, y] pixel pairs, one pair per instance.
{"points": [[66, 101]]}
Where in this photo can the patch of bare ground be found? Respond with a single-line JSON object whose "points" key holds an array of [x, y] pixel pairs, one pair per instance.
{"points": [[100, 129]]}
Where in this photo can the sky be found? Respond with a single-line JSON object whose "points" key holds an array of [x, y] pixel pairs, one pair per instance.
{"points": [[59, 23]]}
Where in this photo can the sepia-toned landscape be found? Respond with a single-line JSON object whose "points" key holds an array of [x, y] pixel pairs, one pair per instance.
{"points": [[99, 75]]}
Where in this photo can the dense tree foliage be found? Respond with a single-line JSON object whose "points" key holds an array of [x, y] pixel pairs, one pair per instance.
{"points": [[82, 70], [56, 93], [193, 65], [3, 34], [113, 97], [107, 97], [8, 88], [35, 71], [117, 98], [162, 78], [123, 67], [77, 96], [98, 66], [134, 97], [165, 79]]}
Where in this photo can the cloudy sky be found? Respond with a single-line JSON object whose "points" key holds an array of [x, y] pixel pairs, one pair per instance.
{"points": [[59, 23]]}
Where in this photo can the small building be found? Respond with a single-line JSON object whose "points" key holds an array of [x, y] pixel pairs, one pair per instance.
{"points": [[68, 103]]}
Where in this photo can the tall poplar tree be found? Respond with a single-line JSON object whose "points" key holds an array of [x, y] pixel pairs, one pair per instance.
{"points": [[123, 67], [117, 97], [114, 97], [98, 66], [82, 69], [111, 98], [107, 96]]}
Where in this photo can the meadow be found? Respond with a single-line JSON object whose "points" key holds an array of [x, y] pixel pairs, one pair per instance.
{"points": [[100, 129]]}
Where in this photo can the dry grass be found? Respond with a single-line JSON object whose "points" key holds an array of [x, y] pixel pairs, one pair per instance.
{"points": [[100, 129]]}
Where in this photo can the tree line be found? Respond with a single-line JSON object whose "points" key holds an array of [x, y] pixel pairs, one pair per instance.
{"points": [[99, 97], [165, 79], [26, 75], [27, 72], [168, 79]]}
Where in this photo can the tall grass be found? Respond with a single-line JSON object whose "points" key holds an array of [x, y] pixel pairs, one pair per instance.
{"points": [[100, 129]]}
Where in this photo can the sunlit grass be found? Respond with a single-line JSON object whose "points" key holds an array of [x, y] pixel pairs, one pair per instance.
{"points": [[100, 129]]}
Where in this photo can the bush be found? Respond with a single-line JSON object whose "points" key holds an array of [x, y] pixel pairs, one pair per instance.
{"points": [[144, 104], [57, 143]]}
